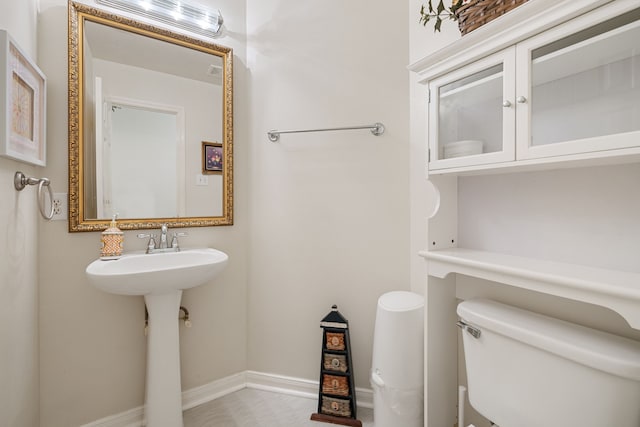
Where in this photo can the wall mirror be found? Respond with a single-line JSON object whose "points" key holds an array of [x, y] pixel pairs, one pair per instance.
{"points": [[150, 125]]}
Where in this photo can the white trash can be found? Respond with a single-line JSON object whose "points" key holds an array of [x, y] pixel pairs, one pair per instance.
{"points": [[397, 364]]}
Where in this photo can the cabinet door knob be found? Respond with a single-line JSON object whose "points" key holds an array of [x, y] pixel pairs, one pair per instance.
{"points": [[521, 99], [506, 103]]}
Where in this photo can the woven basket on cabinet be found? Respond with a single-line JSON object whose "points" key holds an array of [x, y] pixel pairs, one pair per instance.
{"points": [[476, 13]]}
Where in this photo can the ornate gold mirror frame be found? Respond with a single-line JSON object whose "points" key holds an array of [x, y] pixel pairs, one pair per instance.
{"points": [[79, 14]]}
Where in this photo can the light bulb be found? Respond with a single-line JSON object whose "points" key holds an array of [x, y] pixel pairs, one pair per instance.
{"points": [[205, 23], [177, 14]]}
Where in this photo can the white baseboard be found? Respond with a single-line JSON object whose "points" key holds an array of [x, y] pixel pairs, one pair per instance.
{"points": [[299, 387], [248, 379], [281, 384], [208, 392], [130, 418]]}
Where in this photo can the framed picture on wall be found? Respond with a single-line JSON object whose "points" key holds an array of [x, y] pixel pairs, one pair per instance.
{"points": [[23, 90], [212, 158]]}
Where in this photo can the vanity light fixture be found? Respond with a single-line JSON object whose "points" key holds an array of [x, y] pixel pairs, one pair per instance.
{"points": [[176, 13]]}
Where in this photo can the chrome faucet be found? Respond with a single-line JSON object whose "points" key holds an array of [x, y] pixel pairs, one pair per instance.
{"points": [[163, 236], [162, 245]]}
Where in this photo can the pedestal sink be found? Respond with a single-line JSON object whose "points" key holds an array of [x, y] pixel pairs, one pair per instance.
{"points": [[160, 278]]}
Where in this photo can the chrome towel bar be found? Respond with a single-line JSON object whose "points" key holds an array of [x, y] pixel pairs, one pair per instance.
{"points": [[20, 181], [377, 129]]}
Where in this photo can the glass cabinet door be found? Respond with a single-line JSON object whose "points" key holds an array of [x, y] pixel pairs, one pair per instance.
{"points": [[471, 114], [583, 89]]}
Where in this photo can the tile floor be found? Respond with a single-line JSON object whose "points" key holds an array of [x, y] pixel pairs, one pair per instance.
{"points": [[257, 408]]}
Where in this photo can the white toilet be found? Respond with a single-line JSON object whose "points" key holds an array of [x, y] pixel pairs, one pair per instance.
{"points": [[529, 370]]}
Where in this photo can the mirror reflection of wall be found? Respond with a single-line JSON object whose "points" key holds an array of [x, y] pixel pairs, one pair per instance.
{"points": [[134, 173]]}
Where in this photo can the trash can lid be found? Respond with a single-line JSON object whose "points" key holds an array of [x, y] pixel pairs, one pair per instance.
{"points": [[401, 301]]}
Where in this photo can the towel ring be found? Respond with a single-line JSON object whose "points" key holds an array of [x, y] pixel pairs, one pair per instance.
{"points": [[20, 181]]}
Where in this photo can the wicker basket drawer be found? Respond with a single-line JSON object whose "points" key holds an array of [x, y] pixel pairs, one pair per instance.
{"points": [[334, 384], [335, 362], [333, 406], [335, 340]]}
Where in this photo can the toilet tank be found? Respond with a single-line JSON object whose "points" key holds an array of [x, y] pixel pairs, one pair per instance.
{"points": [[529, 370]]}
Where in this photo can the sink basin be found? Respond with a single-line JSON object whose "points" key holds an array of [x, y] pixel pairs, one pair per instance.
{"points": [[160, 278], [142, 274]]}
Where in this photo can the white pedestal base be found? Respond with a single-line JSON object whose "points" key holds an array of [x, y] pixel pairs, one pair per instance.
{"points": [[163, 401]]}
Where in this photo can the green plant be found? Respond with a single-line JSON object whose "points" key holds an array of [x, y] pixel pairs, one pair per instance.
{"points": [[439, 12]]}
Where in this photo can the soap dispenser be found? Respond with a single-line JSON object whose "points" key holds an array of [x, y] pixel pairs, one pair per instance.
{"points": [[112, 241]]}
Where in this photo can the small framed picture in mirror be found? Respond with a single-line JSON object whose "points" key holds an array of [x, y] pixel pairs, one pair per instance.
{"points": [[212, 157]]}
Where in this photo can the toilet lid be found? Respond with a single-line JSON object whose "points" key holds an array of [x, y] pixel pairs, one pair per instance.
{"points": [[599, 350]]}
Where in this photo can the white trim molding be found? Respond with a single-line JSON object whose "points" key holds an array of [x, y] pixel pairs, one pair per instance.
{"points": [[292, 386], [130, 418], [212, 391], [299, 387]]}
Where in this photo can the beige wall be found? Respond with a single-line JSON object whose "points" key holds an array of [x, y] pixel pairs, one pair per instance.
{"points": [[92, 343], [329, 210], [327, 214], [319, 219], [19, 222]]}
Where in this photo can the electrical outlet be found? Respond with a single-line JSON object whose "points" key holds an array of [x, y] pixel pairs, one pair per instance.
{"points": [[60, 208], [202, 180]]}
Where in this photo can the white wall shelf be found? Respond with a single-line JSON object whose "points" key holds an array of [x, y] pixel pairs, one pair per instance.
{"points": [[601, 158], [617, 290]]}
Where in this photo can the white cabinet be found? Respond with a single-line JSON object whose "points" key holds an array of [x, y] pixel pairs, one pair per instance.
{"points": [[551, 84], [468, 120], [573, 90], [569, 93]]}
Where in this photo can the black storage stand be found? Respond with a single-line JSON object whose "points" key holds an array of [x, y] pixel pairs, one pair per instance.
{"points": [[337, 394]]}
